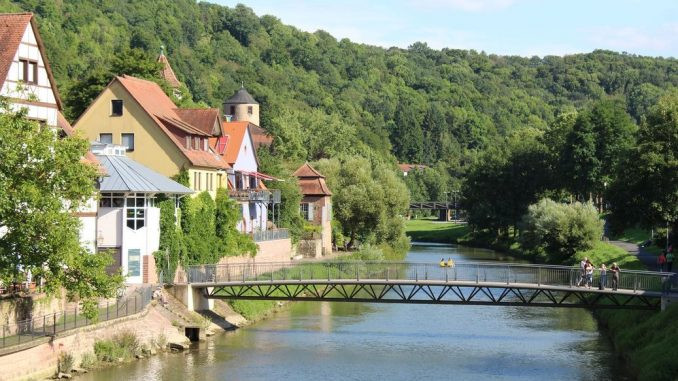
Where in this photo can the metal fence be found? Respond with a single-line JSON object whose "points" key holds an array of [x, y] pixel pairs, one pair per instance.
{"points": [[25, 331], [480, 272], [270, 235]]}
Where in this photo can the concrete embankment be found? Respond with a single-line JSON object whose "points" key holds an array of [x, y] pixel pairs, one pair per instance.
{"points": [[150, 327]]}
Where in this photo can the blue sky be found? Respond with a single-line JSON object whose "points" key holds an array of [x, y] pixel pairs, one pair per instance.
{"points": [[522, 27]]}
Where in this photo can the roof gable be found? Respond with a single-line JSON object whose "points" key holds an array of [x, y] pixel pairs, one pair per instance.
{"points": [[307, 171], [207, 120], [126, 175], [236, 134], [13, 27], [163, 111], [167, 72]]}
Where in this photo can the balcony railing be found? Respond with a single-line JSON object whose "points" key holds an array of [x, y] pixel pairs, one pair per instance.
{"points": [[270, 235], [256, 195]]}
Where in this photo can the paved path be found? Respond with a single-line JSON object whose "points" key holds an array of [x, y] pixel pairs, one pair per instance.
{"points": [[649, 260]]}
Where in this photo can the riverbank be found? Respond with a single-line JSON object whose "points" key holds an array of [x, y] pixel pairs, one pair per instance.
{"points": [[646, 340]]}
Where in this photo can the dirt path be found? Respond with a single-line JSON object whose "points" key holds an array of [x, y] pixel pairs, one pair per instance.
{"points": [[649, 260]]}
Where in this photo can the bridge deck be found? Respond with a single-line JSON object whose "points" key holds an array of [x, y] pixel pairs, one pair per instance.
{"points": [[487, 283]]}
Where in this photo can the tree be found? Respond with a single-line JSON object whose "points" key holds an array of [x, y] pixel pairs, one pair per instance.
{"points": [[230, 240], [646, 186], [44, 182], [289, 214]]}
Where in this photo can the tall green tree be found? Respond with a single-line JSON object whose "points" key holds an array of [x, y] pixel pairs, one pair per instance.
{"points": [[44, 182], [646, 186]]}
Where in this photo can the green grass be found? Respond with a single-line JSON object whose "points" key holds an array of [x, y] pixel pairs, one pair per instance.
{"points": [[634, 235], [434, 231], [603, 252]]}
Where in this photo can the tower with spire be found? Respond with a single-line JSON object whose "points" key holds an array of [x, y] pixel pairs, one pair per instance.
{"points": [[242, 107], [167, 72]]}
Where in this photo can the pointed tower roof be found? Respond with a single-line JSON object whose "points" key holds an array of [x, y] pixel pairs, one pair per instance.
{"points": [[167, 72], [242, 96], [311, 182]]}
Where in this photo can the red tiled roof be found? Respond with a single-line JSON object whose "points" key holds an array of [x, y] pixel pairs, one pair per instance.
{"points": [[12, 28], [236, 132], [89, 157], [167, 72], [307, 171], [205, 119], [408, 167], [311, 182], [163, 111], [260, 137]]}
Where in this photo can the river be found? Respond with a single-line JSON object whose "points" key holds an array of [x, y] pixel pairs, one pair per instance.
{"points": [[359, 341]]}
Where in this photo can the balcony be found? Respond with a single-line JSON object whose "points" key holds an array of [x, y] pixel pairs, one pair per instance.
{"points": [[254, 195], [270, 235]]}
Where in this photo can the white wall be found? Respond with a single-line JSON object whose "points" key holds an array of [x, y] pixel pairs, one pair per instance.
{"points": [[109, 223], [41, 92], [246, 160]]}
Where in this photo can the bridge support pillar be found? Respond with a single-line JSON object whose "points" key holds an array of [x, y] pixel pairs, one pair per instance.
{"points": [[667, 300], [195, 300], [444, 215]]}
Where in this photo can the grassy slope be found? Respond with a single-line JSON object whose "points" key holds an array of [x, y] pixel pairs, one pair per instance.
{"points": [[427, 230]]}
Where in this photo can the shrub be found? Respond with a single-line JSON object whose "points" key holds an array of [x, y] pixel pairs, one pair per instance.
{"points": [[88, 360], [558, 230], [65, 362], [123, 346]]}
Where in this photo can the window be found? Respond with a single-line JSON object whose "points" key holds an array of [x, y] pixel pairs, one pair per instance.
{"points": [[188, 142], [112, 200], [305, 211], [204, 144], [197, 180], [250, 110], [29, 71], [128, 141], [136, 211], [238, 181], [116, 107], [133, 262], [253, 182], [106, 138], [233, 110], [196, 144]]}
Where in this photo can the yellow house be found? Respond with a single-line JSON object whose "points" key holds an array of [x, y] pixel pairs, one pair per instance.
{"points": [[137, 114]]}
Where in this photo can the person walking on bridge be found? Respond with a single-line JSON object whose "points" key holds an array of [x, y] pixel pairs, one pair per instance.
{"points": [[615, 275], [582, 272], [661, 261], [603, 277], [669, 261]]}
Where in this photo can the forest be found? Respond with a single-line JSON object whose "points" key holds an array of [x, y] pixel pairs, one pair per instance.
{"points": [[504, 130]]}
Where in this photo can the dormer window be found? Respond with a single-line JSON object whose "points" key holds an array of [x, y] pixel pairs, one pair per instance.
{"points": [[116, 107], [188, 142], [204, 144], [29, 71], [196, 143]]}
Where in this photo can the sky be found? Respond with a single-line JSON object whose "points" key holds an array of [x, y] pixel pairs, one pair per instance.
{"points": [[507, 27]]}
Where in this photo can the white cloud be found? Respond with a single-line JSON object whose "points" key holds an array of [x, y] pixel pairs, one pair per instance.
{"points": [[635, 40]]}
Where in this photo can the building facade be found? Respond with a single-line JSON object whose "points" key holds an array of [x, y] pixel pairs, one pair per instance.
{"points": [[137, 114], [316, 205]]}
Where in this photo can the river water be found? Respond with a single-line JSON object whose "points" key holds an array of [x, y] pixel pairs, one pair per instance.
{"points": [[359, 341]]}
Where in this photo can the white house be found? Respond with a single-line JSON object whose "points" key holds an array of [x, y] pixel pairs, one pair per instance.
{"points": [[127, 220], [26, 80], [244, 181]]}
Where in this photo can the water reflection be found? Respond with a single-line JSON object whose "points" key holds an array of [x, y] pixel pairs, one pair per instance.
{"points": [[358, 341]]}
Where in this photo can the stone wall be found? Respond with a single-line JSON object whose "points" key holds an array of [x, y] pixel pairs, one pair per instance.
{"points": [[279, 250], [14, 309], [310, 248], [41, 360]]}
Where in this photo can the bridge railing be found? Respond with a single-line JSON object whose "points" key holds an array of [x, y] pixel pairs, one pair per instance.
{"points": [[477, 272]]}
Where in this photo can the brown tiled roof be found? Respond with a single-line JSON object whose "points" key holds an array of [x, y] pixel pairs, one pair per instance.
{"points": [[89, 157], [311, 182], [236, 132], [162, 110], [260, 137], [12, 28], [408, 167], [307, 171], [167, 72], [205, 119]]}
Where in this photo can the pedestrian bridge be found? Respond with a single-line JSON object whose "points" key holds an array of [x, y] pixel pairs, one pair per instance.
{"points": [[481, 283]]}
